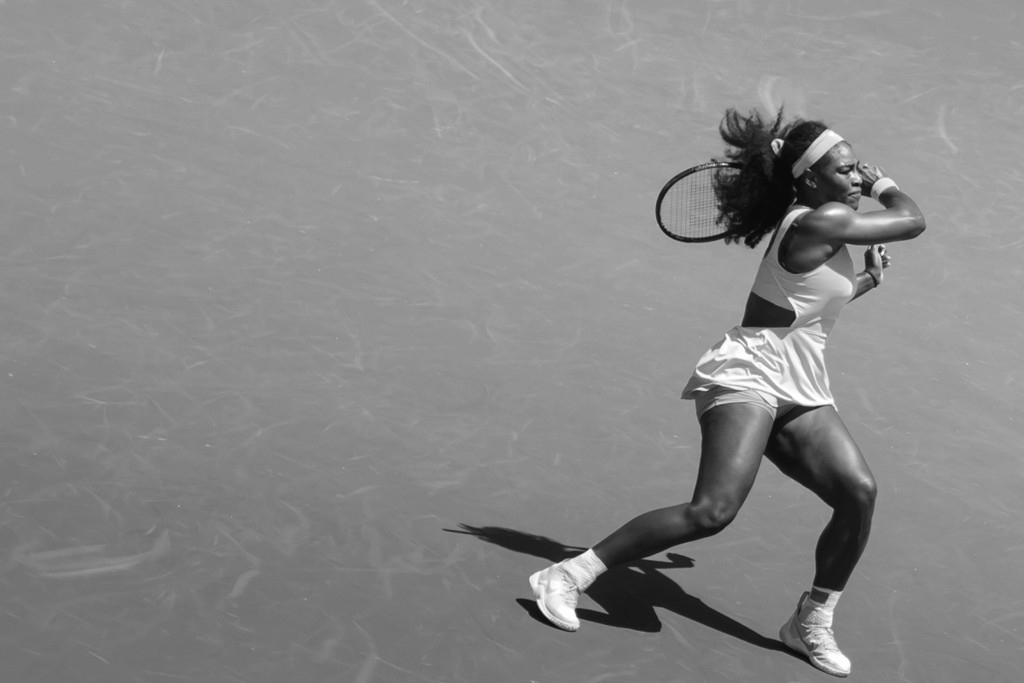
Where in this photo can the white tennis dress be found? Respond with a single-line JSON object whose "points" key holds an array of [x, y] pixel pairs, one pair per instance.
{"points": [[787, 362]]}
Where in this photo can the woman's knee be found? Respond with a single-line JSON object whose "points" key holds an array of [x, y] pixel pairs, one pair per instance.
{"points": [[859, 494], [709, 517]]}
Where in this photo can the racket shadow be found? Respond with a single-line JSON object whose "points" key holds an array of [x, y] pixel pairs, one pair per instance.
{"points": [[628, 595]]}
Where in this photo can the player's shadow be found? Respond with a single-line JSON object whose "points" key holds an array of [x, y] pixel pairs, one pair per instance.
{"points": [[628, 594]]}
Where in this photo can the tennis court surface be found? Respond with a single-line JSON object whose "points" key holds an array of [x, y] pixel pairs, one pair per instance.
{"points": [[325, 323]]}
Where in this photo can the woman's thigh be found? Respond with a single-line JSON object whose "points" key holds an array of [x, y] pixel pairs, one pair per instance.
{"points": [[733, 440], [814, 447]]}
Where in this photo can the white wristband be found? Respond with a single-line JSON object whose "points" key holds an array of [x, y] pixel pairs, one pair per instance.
{"points": [[880, 186]]}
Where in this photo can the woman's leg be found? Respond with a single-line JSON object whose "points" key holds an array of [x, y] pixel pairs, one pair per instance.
{"points": [[814, 447], [733, 438]]}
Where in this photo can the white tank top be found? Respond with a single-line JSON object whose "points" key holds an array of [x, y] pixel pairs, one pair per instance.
{"points": [[788, 363], [816, 296]]}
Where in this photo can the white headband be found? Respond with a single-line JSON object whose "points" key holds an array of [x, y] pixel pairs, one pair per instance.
{"points": [[822, 144]]}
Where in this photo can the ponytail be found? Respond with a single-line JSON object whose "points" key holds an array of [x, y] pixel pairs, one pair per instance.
{"points": [[752, 201]]}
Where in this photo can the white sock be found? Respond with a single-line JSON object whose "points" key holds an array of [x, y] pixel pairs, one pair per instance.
{"points": [[821, 612], [583, 569]]}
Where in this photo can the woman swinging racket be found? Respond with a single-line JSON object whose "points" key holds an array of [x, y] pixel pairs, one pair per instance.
{"points": [[763, 389]]}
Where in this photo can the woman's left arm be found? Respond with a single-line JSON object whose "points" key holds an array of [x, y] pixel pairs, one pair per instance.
{"points": [[876, 260]]}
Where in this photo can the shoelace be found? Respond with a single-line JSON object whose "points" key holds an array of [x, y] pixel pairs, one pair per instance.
{"points": [[822, 638], [572, 591]]}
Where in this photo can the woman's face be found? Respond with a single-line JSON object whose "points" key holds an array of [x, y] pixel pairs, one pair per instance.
{"points": [[835, 177]]}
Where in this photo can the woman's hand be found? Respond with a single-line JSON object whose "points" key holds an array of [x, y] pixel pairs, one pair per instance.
{"points": [[876, 259], [869, 174]]}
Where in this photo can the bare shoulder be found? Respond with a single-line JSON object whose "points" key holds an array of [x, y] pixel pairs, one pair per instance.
{"points": [[829, 220]]}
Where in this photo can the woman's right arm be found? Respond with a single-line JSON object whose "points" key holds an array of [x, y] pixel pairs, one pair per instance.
{"points": [[900, 220], [835, 224]]}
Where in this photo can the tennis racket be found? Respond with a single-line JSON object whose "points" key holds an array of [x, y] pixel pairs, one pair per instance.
{"points": [[687, 209]]}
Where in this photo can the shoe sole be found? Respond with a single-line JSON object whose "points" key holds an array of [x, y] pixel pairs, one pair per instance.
{"points": [[538, 593], [797, 646]]}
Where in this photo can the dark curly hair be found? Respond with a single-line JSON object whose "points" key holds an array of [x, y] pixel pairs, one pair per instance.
{"points": [[753, 201]]}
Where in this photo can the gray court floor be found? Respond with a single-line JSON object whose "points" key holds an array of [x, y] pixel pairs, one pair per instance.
{"points": [[325, 323]]}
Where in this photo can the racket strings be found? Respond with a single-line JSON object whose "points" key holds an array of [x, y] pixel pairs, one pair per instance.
{"points": [[689, 209]]}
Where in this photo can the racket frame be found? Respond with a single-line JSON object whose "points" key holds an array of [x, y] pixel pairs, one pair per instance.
{"points": [[678, 177]]}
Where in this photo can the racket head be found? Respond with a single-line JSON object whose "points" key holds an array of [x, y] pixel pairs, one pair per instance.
{"points": [[687, 208]]}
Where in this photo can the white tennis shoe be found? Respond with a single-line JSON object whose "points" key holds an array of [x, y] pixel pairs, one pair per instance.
{"points": [[811, 636], [557, 595]]}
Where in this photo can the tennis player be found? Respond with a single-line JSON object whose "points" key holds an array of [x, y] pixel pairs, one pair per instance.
{"points": [[763, 389]]}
